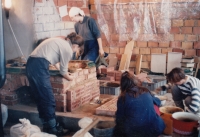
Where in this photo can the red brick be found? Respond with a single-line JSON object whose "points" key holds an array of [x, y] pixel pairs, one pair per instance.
{"points": [[11, 96], [80, 78], [196, 30], [177, 23], [198, 52], [187, 45], [186, 30], [60, 96], [72, 105], [152, 44], [121, 44], [141, 44], [39, 1], [178, 50], [61, 108], [190, 52], [197, 45], [62, 3], [163, 44], [175, 44], [75, 93], [85, 71], [111, 73], [179, 37], [191, 37], [189, 23], [175, 30], [166, 50], [91, 70], [56, 2], [60, 85], [155, 50]]}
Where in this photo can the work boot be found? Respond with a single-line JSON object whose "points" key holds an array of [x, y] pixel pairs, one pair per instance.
{"points": [[58, 130], [52, 127]]}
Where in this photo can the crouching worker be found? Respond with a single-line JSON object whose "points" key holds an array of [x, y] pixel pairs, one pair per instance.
{"points": [[50, 51], [135, 115], [184, 88]]}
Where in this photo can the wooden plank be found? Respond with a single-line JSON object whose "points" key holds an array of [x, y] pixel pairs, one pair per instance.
{"points": [[128, 51], [138, 64], [123, 62]]}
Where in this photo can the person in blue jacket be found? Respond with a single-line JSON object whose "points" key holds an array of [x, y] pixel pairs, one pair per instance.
{"points": [[135, 115]]}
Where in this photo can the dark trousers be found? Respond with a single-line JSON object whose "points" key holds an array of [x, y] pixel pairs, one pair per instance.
{"points": [[37, 71], [178, 97], [91, 50]]}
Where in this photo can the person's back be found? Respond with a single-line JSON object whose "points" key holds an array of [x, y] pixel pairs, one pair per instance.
{"points": [[135, 115]]}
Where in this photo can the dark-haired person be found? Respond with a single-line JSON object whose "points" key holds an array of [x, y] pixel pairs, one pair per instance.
{"points": [[50, 51], [86, 27], [135, 115], [184, 87]]}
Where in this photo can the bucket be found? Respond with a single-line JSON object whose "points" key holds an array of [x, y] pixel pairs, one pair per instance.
{"points": [[185, 123], [104, 129], [166, 115]]}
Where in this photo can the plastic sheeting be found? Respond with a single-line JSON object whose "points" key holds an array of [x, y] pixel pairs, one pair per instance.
{"points": [[143, 21]]}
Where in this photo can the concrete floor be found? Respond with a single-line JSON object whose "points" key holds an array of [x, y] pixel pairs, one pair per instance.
{"points": [[69, 119]]}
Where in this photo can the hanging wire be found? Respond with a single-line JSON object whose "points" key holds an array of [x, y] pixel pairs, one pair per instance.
{"points": [[16, 40]]}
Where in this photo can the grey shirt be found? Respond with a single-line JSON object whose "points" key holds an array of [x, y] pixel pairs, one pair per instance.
{"points": [[88, 29], [55, 50]]}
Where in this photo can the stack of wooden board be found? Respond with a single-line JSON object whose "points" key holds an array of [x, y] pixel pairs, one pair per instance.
{"points": [[187, 64]]}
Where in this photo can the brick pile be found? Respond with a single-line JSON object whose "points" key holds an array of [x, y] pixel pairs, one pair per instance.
{"points": [[108, 108], [111, 74]]}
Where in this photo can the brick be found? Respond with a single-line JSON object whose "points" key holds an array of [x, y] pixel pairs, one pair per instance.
{"points": [[75, 93], [198, 22], [10, 102], [85, 71], [144, 50], [197, 45], [105, 70], [111, 73], [11, 96], [61, 85], [179, 37], [152, 44], [136, 51], [178, 50], [164, 44], [141, 44], [155, 50], [106, 49], [61, 108], [62, 3], [187, 45], [186, 30], [175, 44], [91, 70], [175, 30], [190, 52], [166, 50], [145, 65], [196, 30], [60, 96], [189, 23], [177, 23], [191, 37], [109, 78], [86, 98], [114, 50], [80, 78], [72, 105], [198, 52], [121, 44], [121, 50], [91, 75]]}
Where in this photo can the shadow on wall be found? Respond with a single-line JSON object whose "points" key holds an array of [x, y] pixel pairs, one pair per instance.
{"points": [[21, 20]]}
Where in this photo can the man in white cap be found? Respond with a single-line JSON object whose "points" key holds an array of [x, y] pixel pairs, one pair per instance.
{"points": [[88, 29]]}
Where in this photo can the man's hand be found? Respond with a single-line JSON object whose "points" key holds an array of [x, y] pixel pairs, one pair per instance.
{"points": [[101, 52]]}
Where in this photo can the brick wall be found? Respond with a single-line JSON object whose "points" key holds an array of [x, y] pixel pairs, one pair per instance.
{"points": [[177, 33]]}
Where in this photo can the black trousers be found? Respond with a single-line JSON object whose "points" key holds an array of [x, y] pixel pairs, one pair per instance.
{"points": [[37, 71]]}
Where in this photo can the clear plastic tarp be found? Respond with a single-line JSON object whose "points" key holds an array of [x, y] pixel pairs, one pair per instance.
{"points": [[143, 20]]}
